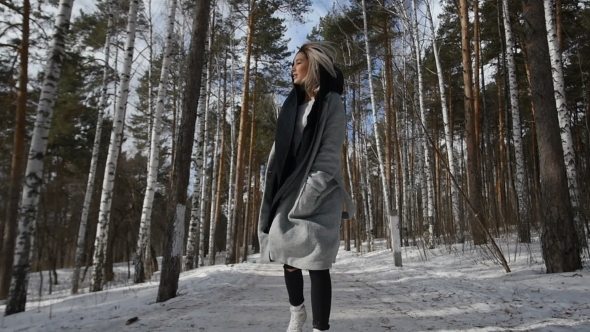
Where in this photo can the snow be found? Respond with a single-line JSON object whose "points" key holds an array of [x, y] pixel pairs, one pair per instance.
{"points": [[446, 289]]}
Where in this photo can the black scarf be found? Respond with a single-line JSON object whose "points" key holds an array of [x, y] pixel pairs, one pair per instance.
{"points": [[289, 162]]}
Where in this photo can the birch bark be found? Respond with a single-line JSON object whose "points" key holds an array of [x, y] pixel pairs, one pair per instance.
{"points": [[23, 251], [424, 142], [368, 198], [448, 133], [94, 160], [563, 114], [192, 245], [205, 145], [232, 157], [100, 244], [394, 225], [520, 183], [142, 255]]}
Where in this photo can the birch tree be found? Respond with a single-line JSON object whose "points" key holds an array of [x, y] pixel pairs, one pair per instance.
{"points": [[394, 225], [17, 295], [563, 114], [520, 183], [94, 160], [217, 165], [448, 137], [172, 255], [204, 163], [142, 255], [100, 244], [192, 245], [427, 163], [232, 157], [193, 249], [367, 194]]}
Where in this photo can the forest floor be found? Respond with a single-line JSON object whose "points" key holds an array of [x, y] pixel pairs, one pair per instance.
{"points": [[451, 288]]}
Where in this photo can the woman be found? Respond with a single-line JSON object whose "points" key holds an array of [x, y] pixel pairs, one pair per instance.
{"points": [[304, 189]]}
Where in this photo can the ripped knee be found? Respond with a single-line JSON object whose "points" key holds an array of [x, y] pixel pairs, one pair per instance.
{"points": [[289, 268]]}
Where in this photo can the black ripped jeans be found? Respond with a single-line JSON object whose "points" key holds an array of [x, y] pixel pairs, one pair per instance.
{"points": [[321, 294]]}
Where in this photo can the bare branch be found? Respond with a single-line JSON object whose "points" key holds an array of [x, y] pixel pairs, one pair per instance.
{"points": [[10, 5], [10, 45]]}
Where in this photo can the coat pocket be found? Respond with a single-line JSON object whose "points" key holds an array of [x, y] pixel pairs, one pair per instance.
{"points": [[316, 187]]}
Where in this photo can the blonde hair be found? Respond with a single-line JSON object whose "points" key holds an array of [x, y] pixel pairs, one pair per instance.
{"points": [[318, 53]]}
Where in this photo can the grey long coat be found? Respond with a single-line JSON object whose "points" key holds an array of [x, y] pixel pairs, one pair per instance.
{"points": [[305, 231]]}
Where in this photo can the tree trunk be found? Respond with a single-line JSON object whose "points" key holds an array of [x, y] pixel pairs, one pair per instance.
{"points": [[563, 114], [98, 277], [17, 296], [215, 175], [522, 194], [232, 140], [456, 212], [232, 255], [220, 173], [476, 84], [194, 251], [559, 241], [427, 162], [18, 158], [172, 256], [347, 180], [394, 225], [250, 165], [367, 194], [194, 231], [142, 254], [81, 243], [473, 172], [205, 146]]}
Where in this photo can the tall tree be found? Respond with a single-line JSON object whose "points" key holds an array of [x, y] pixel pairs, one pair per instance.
{"points": [[142, 254], [563, 114], [474, 184], [393, 221], [448, 137], [16, 174], [102, 231], [559, 241], [81, 242], [232, 255], [522, 196], [429, 204], [34, 172], [294, 8], [172, 255]]}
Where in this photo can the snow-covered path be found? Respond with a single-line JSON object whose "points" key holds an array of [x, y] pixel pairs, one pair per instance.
{"points": [[446, 292]]}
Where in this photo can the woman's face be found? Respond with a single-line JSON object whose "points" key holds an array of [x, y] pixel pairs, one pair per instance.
{"points": [[300, 66]]}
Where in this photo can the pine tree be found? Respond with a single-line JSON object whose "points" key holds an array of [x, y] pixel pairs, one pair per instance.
{"points": [[10, 230], [559, 241], [172, 255]]}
